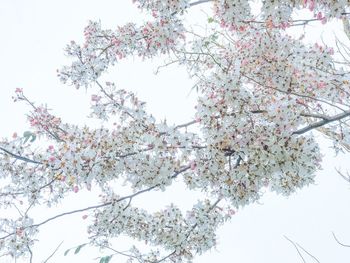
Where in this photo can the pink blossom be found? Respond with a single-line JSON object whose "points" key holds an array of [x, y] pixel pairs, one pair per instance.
{"points": [[321, 85], [331, 51], [193, 165], [231, 212], [312, 5], [19, 231], [95, 98], [76, 189]]}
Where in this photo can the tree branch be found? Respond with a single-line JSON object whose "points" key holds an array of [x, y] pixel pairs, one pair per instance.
{"points": [[336, 239], [322, 123], [98, 206], [199, 2], [346, 178], [25, 159], [296, 247], [53, 253]]}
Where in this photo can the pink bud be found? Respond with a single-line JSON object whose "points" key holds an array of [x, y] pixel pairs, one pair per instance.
{"points": [[321, 85], [95, 98], [193, 165], [331, 51], [84, 217], [19, 231], [76, 189], [312, 5], [231, 212]]}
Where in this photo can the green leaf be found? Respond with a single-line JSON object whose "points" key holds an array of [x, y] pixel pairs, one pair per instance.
{"points": [[214, 37], [106, 259], [78, 248], [33, 137], [210, 20], [26, 135], [66, 252], [29, 135]]}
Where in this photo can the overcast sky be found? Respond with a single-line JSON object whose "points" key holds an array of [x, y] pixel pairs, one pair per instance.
{"points": [[33, 35]]}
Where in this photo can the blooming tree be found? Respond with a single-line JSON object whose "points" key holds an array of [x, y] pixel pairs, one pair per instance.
{"points": [[263, 96]]}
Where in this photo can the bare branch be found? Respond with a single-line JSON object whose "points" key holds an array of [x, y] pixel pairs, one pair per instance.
{"points": [[31, 254], [18, 157], [345, 177], [322, 123], [199, 2], [312, 256], [53, 253], [185, 125], [296, 247], [336, 239]]}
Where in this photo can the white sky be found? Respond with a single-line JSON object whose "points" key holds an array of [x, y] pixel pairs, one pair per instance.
{"points": [[33, 35]]}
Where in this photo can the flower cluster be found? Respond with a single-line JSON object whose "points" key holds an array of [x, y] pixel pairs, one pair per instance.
{"points": [[103, 48], [163, 8], [235, 15], [18, 244], [168, 229], [260, 94]]}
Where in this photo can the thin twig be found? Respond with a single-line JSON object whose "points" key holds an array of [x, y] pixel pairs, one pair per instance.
{"points": [[30, 254], [53, 253], [346, 178], [336, 239], [296, 247], [312, 256]]}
